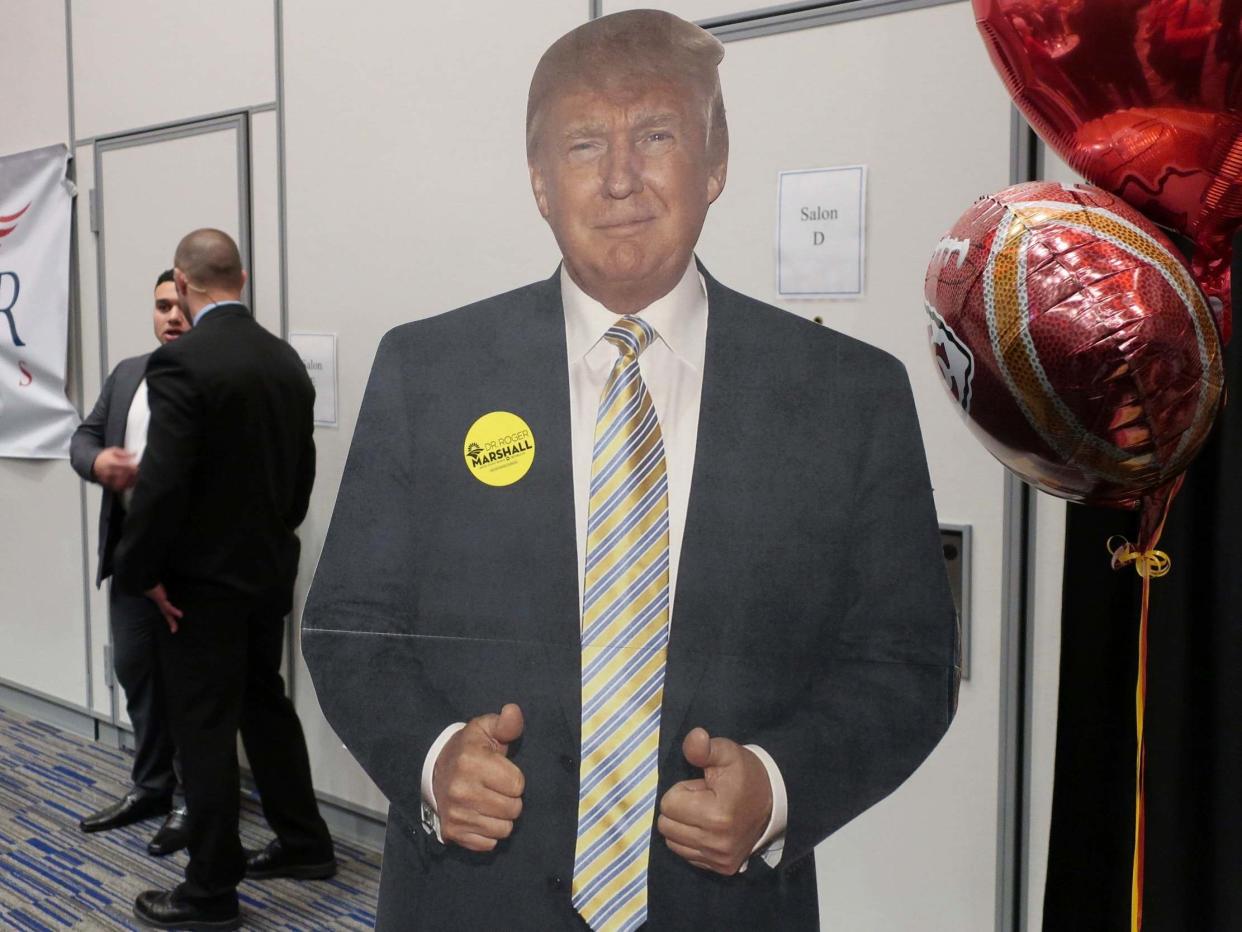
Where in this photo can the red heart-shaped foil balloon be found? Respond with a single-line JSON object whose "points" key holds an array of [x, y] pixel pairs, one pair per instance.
{"points": [[1144, 99]]}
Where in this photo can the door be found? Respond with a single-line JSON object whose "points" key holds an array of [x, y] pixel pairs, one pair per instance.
{"points": [[151, 188]]}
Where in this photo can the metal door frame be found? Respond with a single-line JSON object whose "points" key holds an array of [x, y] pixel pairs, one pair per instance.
{"points": [[238, 121]]}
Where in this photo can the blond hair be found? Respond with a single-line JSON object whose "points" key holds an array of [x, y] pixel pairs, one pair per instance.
{"points": [[633, 47]]}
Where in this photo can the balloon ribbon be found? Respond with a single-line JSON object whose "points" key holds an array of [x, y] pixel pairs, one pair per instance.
{"points": [[1149, 563]]}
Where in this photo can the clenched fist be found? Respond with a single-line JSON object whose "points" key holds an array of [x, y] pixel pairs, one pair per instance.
{"points": [[715, 822], [478, 790]]}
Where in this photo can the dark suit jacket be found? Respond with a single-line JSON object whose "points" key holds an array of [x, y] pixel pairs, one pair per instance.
{"points": [[812, 614], [228, 467], [105, 427]]}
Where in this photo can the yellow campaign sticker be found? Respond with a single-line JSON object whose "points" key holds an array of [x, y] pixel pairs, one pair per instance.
{"points": [[499, 448]]}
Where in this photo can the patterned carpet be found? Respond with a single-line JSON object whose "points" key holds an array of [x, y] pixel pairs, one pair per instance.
{"points": [[52, 876]]}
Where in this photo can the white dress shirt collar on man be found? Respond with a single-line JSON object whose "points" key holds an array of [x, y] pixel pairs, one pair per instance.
{"points": [[212, 306], [680, 319]]}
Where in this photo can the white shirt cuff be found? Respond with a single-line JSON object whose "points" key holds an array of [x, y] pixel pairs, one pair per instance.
{"points": [[431, 812], [771, 844]]}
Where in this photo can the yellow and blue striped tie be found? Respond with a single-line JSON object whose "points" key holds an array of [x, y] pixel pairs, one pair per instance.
{"points": [[624, 644]]}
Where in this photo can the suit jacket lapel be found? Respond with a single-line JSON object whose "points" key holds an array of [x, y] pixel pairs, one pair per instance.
{"points": [[558, 628], [712, 487]]}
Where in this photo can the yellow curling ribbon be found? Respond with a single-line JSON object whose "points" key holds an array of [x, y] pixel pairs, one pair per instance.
{"points": [[1149, 564]]}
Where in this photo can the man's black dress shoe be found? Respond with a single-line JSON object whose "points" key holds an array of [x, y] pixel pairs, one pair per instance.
{"points": [[173, 835], [272, 861], [133, 807], [160, 909]]}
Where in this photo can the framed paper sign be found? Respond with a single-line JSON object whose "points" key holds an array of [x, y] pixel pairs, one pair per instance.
{"points": [[821, 232], [318, 352]]}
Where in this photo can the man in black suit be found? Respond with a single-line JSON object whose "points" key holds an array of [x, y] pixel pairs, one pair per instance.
{"points": [[106, 449], [227, 477], [534, 477]]}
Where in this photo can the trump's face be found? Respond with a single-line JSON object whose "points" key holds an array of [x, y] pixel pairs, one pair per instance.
{"points": [[624, 179]]}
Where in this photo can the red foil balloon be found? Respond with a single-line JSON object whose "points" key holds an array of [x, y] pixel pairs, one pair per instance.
{"points": [[1074, 341], [1143, 98]]}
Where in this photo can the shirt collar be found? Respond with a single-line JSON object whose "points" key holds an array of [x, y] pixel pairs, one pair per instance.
{"points": [[210, 307], [680, 317]]}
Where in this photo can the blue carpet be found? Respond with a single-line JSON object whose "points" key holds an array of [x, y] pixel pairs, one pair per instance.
{"points": [[52, 876]]}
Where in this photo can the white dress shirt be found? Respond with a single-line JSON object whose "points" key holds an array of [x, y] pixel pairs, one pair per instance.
{"points": [[136, 424], [672, 369]]}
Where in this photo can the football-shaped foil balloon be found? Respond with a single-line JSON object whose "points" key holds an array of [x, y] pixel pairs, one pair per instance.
{"points": [[1141, 97], [1073, 339]]}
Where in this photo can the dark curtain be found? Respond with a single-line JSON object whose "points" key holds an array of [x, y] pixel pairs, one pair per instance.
{"points": [[1194, 708]]}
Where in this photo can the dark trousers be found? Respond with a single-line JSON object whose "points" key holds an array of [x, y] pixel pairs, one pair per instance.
{"points": [[223, 673], [136, 624]]}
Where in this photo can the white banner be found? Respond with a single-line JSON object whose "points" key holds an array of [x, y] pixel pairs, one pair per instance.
{"points": [[36, 200]]}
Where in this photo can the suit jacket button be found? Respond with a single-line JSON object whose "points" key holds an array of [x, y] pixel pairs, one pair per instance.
{"points": [[555, 883], [569, 763]]}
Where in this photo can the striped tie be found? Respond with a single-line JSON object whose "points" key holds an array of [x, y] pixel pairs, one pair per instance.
{"points": [[624, 644]]}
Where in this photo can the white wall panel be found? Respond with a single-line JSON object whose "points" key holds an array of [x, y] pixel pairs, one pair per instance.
{"points": [[34, 103], [265, 222], [144, 62], [408, 195], [851, 93], [43, 620]]}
